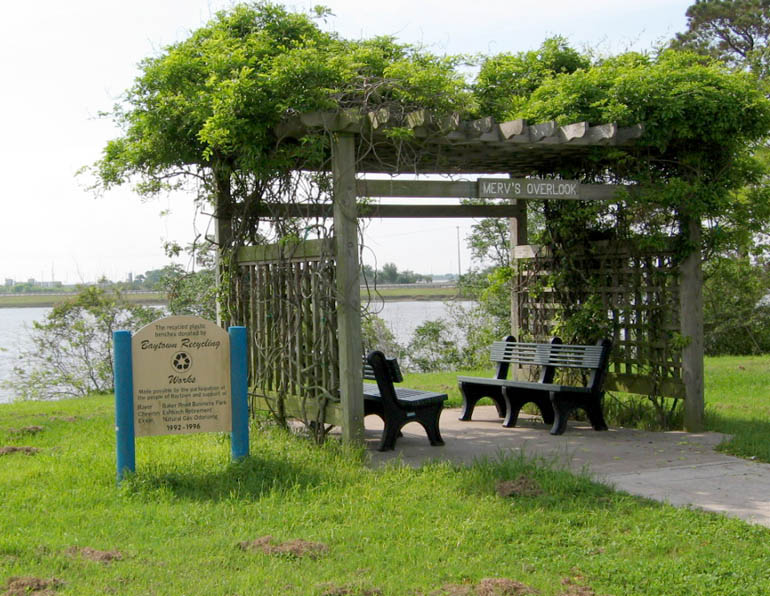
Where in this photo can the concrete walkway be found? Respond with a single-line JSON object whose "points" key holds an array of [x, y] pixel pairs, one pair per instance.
{"points": [[679, 468]]}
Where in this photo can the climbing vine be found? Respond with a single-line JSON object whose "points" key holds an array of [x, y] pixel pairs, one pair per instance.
{"points": [[204, 115]]}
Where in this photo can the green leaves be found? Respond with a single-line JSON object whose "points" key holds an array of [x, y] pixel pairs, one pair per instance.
{"points": [[736, 31], [212, 101], [505, 81], [72, 347]]}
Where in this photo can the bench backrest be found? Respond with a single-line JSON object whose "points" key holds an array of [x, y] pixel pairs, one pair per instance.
{"points": [[554, 355], [385, 371], [391, 364]]}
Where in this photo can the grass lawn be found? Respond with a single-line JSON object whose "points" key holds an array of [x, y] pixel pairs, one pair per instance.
{"points": [[738, 403], [412, 293], [191, 522]]}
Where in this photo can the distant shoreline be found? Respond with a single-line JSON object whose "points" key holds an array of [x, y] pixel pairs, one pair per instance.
{"points": [[389, 294], [50, 300]]}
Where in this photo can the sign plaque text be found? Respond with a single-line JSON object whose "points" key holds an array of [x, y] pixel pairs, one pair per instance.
{"points": [[528, 188], [181, 377]]}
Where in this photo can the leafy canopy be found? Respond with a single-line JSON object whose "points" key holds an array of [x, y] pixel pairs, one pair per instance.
{"points": [[702, 124], [736, 31], [505, 81], [205, 108]]}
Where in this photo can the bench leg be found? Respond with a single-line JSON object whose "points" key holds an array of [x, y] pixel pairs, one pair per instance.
{"points": [[511, 413], [429, 418], [593, 409], [390, 433], [471, 396], [564, 405], [515, 400]]}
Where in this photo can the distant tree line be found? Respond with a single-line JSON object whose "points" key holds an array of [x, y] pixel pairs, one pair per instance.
{"points": [[389, 274]]}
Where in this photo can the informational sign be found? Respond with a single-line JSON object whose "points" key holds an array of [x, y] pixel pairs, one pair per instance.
{"points": [[525, 188], [181, 377]]}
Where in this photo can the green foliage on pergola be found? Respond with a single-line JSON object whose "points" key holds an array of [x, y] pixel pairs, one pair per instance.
{"points": [[203, 114]]}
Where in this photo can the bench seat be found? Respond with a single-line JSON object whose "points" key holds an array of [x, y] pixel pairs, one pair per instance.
{"points": [[398, 406], [556, 401], [410, 397], [523, 384]]}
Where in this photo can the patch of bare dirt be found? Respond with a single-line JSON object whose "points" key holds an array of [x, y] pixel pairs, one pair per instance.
{"points": [[100, 556], [332, 590], [8, 449], [494, 586], [575, 588], [26, 430], [523, 486], [25, 586], [293, 548]]}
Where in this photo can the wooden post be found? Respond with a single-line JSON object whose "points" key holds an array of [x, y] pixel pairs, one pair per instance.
{"points": [[518, 237], [223, 238], [348, 288], [691, 322]]}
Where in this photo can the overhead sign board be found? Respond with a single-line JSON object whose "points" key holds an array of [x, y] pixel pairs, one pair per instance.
{"points": [[528, 188], [181, 377]]}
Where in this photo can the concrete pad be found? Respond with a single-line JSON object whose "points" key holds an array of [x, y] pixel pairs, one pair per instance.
{"points": [[679, 468]]}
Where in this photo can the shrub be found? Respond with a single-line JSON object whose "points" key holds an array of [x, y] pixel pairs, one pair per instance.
{"points": [[71, 354]]}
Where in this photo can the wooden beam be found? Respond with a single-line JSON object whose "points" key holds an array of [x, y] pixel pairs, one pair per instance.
{"points": [[512, 128], [348, 287], [437, 211], [573, 132], [691, 321], [448, 131], [518, 237], [536, 188], [504, 188], [284, 252], [643, 385], [294, 406], [539, 132], [377, 211], [464, 189]]}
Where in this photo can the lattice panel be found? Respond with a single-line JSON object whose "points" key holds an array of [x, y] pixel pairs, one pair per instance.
{"points": [[289, 307], [640, 294]]}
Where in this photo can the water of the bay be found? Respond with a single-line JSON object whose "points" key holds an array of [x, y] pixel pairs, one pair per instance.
{"points": [[14, 338], [402, 318]]}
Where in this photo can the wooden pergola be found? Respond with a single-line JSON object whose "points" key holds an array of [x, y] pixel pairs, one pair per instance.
{"points": [[509, 152]]}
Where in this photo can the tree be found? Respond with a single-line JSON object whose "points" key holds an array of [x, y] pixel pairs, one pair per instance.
{"points": [[389, 273], [736, 31], [72, 348], [489, 242], [202, 114], [432, 347], [695, 160], [190, 293], [736, 312]]}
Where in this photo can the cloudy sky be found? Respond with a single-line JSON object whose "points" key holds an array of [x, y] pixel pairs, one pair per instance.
{"points": [[64, 62]]}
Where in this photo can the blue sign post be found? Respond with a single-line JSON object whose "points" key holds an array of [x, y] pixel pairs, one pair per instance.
{"points": [[125, 415], [239, 387], [124, 403]]}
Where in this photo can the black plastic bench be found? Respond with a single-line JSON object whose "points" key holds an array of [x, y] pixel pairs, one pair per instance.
{"points": [[398, 406], [555, 401]]}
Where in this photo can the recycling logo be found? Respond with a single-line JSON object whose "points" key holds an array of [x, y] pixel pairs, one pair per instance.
{"points": [[181, 361]]}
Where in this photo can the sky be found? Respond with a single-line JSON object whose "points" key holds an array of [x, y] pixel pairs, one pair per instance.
{"points": [[65, 62]]}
